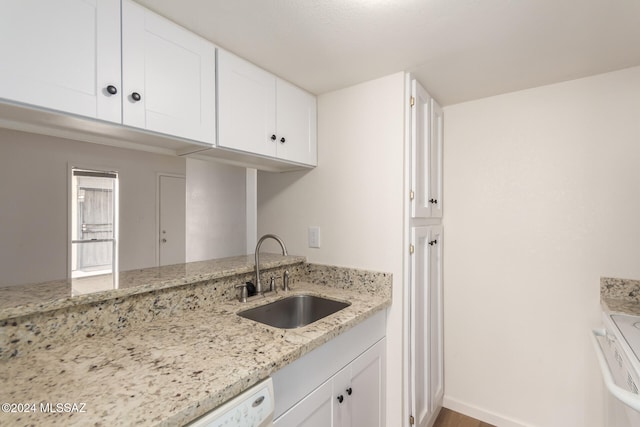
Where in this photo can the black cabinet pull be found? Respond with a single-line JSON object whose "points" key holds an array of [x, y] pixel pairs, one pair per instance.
{"points": [[349, 391], [273, 137], [112, 90], [433, 201], [433, 242], [282, 140], [136, 96], [340, 399]]}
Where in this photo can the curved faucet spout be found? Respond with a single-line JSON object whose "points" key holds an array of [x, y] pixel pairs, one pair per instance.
{"points": [[257, 255]]}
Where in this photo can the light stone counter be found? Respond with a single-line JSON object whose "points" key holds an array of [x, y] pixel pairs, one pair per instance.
{"points": [[169, 369], [22, 300], [620, 295]]}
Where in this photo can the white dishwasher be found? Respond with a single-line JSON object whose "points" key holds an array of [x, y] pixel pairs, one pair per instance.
{"points": [[253, 408]]}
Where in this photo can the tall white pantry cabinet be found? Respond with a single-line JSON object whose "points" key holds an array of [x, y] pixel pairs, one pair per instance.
{"points": [[423, 261]]}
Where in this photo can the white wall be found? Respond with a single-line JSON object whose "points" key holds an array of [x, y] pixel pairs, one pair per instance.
{"points": [[34, 203], [542, 198], [216, 210], [354, 195]]}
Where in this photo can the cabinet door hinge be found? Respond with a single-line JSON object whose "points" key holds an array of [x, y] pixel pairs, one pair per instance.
{"points": [[412, 420], [412, 101], [411, 195], [411, 249]]}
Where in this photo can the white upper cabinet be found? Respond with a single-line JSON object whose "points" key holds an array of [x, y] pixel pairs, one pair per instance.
{"points": [[261, 114], [426, 154], [62, 55], [435, 147], [247, 106], [168, 76], [296, 124]]}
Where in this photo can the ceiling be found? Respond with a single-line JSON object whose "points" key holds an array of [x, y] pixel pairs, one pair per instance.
{"points": [[459, 50]]}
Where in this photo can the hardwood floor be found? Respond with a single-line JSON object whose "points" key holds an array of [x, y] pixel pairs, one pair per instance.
{"points": [[449, 418]]}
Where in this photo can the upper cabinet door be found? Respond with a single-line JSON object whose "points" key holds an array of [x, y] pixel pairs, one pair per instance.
{"points": [[246, 106], [435, 147], [296, 124], [62, 55], [426, 154], [168, 76], [420, 154]]}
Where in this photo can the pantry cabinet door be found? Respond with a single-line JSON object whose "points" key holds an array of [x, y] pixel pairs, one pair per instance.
{"points": [[62, 55], [296, 124], [420, 153], [246, 103], [435, 169], [419, 327], [168, 76], [435, 313]]}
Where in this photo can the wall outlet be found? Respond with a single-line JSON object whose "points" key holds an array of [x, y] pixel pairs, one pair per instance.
{"points": [[314, 237]]}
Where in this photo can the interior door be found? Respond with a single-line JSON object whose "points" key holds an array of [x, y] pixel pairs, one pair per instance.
{"points": [[419, 327], [62, 55], [172, 220]]}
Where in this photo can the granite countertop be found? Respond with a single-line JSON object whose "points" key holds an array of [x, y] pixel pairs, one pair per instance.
{"points": [[620, 295], [171, 370], [21, 300]]}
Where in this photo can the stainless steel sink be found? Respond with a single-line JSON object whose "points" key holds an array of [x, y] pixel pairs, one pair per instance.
{"points": [[294, 311]]}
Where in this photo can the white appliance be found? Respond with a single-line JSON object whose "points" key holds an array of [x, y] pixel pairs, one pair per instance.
{"points": [[617, 347], [253, 408]]}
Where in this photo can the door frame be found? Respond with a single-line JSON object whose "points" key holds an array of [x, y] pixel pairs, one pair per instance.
{"points": [[159, 175]]}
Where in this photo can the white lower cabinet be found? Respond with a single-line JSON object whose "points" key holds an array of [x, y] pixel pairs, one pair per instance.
{"points": [[339, 384], [352, 397]]}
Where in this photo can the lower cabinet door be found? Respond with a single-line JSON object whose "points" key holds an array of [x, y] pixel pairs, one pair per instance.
{"points": [[315, 410], [353, 397], [367, 389]]}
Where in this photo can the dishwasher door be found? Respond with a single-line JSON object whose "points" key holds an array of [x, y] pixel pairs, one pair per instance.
{"points": [[253, 408]]}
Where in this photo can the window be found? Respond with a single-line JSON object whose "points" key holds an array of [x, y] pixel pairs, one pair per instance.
{"points": [[94, 231]]}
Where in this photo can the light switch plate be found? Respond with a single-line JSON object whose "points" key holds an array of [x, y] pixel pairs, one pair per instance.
{"points": [[314, 237]]}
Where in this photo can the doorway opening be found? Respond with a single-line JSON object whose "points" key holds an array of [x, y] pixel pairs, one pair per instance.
{"points": [[93, 222]]}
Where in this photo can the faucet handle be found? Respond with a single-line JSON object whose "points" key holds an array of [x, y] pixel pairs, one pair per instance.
{"points": [[244, 293], [285, 280], [272, 284]]}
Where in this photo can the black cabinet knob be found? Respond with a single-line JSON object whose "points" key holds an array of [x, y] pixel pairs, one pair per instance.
{"points": [[282, 140], [433, 201], [112, 90], [433, 242], [340, 399], [136, 96], [273, 137], [349, 391]]}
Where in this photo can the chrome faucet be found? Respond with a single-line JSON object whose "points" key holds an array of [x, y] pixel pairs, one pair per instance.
{"points": [[262, 239]]}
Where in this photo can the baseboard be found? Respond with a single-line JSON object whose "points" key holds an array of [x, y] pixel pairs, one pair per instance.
{"points": [[481, 414]]}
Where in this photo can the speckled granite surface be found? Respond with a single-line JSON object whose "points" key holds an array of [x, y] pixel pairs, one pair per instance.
{"points": [[179, 363], [620, 295], [25, 299]]}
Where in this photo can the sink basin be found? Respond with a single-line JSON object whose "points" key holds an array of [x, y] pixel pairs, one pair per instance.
{"points": [[294, 311]]}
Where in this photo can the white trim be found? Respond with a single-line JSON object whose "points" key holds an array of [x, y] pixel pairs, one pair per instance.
{"points": [[157, 227], [481, 414], [406, 226]]}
